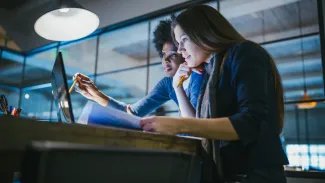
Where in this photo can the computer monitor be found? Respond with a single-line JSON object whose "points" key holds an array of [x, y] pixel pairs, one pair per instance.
{"points": [[61, 91]]}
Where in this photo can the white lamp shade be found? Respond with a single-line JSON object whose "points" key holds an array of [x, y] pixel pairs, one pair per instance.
{"points": [[66, 24]]}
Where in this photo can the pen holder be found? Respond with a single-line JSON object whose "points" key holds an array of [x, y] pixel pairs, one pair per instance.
{"points": [[8, 110], [12, 111]]}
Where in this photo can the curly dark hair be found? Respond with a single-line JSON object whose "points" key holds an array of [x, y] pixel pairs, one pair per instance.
{"points": [[162, 34]]}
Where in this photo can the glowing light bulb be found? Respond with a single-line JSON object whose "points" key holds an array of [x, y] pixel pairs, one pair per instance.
{"points": [[64, 10]]}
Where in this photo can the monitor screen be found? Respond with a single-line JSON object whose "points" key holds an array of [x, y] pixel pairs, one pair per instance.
{"points": [[61, 91]]}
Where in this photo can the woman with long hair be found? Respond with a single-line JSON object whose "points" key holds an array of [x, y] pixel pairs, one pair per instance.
{"points": [[240, 106]]}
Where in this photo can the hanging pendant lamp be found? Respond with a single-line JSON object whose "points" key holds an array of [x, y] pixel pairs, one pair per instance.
{"points": [[306, 105], [66, 21]]}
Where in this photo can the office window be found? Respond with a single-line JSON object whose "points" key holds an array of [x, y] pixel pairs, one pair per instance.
{"points": [[37, 103], [300, 66], [11, 68], [36, 98], [305, 128], [260, 21], [127, 86], [80, 57], [123, 48], [306, 156], [290, 132]]}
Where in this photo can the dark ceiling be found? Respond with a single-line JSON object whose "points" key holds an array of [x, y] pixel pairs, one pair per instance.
{"points": [[17, 17], [13, 4]]}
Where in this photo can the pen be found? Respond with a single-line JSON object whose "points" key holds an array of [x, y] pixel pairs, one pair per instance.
{"points": [[10, 109], [74, 83], [181, 80]]}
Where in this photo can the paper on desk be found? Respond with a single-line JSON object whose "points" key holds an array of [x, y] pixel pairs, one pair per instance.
{"points": [[93, 113]]}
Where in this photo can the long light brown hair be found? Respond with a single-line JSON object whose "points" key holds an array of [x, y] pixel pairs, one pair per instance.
{"points": [[211, 31]]}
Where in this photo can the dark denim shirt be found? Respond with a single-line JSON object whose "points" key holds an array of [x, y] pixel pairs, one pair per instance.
{"points": [[162, 93]]}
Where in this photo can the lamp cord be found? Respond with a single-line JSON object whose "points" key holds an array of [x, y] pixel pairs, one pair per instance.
{"points": [[302, 49]]}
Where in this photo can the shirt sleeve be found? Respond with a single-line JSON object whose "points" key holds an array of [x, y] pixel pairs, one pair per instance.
{"points": [[195, 87], [158, 96], [249, 78], [117, 104]]}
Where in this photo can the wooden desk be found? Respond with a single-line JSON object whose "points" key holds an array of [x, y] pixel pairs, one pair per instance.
{"points": [[16, 133]]}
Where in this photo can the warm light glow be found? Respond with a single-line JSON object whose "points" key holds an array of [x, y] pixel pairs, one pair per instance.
{"points": [[66, 24], [64, 10], [306, 105]]}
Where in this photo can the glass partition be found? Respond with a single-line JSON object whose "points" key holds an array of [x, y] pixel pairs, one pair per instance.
{"points": [[11, 69]]}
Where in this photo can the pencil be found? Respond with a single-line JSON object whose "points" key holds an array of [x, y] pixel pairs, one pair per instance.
{"points": [[74, 83], [181, 80]]}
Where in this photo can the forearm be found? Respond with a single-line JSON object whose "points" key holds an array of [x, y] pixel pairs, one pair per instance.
{"points": [[101, 99], [107, 101], [216, 128], [184, 103]]}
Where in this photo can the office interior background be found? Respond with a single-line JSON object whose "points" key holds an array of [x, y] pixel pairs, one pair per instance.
{"points": [[120, 57]]}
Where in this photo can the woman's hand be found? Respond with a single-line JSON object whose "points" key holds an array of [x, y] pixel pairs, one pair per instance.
{"points": [[161, 124], [184, 70], [86, 87]]}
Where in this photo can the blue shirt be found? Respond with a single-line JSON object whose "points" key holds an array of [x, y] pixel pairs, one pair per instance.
{"points": [[161, 93]]}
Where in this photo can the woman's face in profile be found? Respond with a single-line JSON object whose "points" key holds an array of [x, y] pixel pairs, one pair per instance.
{"points": [[193, 54]]}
